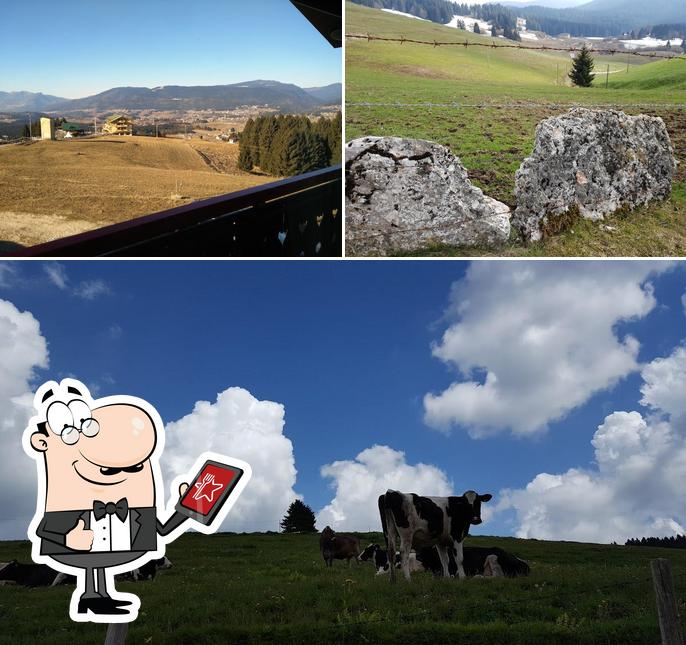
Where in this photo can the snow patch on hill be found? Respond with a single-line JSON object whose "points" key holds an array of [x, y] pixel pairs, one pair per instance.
{"points": [[407, 15], [469, 24], [649, 43]]}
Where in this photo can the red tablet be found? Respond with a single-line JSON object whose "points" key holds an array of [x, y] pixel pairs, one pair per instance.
{"points": [[209, 491]]}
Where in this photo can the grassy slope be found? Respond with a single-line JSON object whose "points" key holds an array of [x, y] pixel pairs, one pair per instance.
{"points": [[93, 182], [492, 141], [274, 588]]}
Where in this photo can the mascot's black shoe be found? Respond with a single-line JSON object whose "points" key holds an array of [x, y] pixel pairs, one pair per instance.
{"points": [[104, 606], [118, 603]]}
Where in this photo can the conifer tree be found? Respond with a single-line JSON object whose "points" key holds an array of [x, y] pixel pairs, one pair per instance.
{"points": [[245, 158], [582, 68], [299, 518]]}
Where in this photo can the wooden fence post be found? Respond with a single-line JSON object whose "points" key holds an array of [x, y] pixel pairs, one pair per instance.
{"points": [[116, 633], [667, 611]]}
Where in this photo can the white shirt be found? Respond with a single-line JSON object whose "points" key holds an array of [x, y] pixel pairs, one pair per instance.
{"points": [[110, 533]]}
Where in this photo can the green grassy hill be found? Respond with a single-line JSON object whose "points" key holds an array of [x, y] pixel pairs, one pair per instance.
{"points": [[276, 589], [484, 104], [669, 75]]}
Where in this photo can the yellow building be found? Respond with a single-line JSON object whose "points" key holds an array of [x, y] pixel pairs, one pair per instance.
{"points": [[118, 124], [47, 128]]}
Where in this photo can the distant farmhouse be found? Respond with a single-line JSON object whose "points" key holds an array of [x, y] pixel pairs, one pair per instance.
{"points": [[72, 130], [231, 138], [118, 124]]}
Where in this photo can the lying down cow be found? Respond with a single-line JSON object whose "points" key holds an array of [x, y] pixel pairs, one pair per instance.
{"points": [[477, 561], [411, 521], [489, 561], [338, 547], [26, 575], [40, 575]]}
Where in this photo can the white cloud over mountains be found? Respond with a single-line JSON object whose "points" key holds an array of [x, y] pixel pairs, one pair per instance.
{"points": [[532, 341], [359, 482], [636, 488]]}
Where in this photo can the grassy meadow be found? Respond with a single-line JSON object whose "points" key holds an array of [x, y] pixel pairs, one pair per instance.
{"points": [[484, 104], [270, 588], [50, 189]]}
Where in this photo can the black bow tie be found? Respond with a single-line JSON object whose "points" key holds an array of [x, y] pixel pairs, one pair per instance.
{"points": [[121, 508]]}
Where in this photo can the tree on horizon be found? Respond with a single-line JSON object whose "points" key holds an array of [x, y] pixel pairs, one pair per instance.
{"points": [[299, 518], [582, 68]]}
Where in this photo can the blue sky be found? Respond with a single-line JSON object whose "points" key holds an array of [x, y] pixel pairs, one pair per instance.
{"points": [[78, 48], [346, 348]]}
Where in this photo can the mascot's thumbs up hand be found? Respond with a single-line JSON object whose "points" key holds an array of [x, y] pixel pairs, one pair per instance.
{"points": [[79, 538]]}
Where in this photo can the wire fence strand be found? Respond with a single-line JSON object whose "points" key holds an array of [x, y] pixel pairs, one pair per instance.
{"points": [[495, 45], [517, 105]]}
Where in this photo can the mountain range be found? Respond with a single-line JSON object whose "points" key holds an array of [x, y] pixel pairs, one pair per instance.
{"points": [[284, 96], [19, 101], [605, 17]]}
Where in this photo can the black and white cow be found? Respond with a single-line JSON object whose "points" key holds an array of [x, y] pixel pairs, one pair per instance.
{"points": [[412, 522], [477, 561], [377, 556], [148, 571], [26, 575]]}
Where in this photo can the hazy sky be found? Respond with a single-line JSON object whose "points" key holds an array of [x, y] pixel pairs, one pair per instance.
{"points": [[78, 47], [555, 386]]}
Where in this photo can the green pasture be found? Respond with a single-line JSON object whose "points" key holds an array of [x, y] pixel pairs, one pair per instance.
{"points": [[270, 588], [484, 104]]}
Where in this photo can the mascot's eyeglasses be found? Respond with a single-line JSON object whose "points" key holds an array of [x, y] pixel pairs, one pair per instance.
{"points": [[89, 427], [72, 420]]}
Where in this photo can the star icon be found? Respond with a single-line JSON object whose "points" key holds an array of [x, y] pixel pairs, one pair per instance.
{"points": [[207, 488]]}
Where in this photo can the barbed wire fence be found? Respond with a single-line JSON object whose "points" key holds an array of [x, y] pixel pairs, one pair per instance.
{"points": [[494, 45]]}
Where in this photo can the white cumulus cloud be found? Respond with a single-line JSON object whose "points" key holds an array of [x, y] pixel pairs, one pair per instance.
{"points": [[23, 349], [239, 425], [636, 486], [665, 383], [359, 482], [533, 340]]}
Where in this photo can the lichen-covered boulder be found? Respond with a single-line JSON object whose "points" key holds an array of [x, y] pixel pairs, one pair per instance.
{"points": [[403, 194], [593, 162]]}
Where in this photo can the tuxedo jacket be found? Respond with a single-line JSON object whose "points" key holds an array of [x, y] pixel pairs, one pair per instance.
{"points": [[144, 526]]}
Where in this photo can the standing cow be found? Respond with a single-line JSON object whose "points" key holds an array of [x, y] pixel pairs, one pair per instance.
{"points": [[338, 547], [412, 521]]}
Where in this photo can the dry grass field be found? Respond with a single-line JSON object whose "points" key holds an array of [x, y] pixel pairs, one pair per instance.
{"points": [[50, 189]]}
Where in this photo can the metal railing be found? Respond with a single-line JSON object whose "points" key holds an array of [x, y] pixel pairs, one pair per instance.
{"points": [[299, 216]]}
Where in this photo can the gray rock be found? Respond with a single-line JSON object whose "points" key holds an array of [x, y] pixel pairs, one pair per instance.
{"points": [[593, 161], [402, 194]]}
